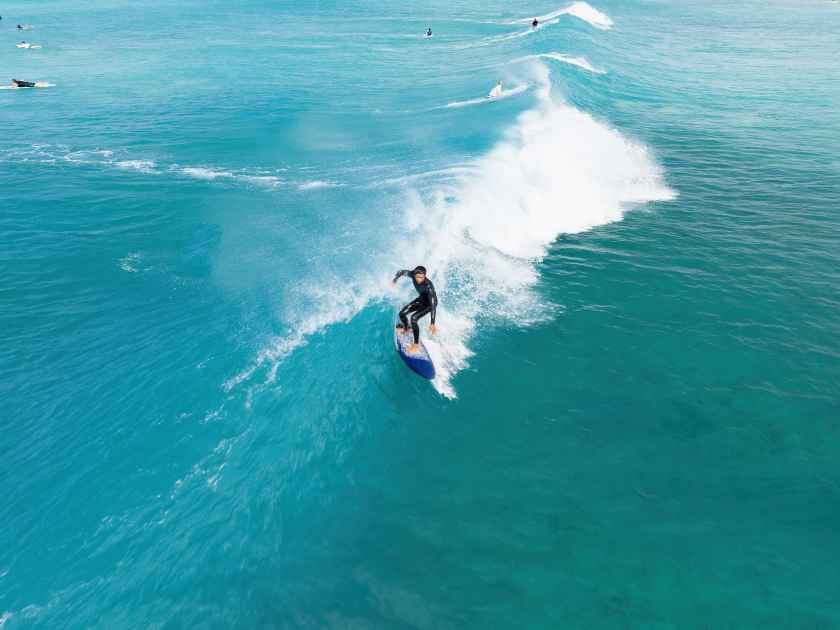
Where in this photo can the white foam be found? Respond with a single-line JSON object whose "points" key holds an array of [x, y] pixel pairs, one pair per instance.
{"points": [[200, 172], [593, 16], [212, 174], [581, 10], [495, 39], [107, 158], [316, 183], [489, 99], [580, 62], [445, 174], [144, 166], [557, 171], [276, 350], [130, 262], [269, 181]]}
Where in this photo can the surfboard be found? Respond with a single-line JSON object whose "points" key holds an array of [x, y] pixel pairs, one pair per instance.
{"points": [[11, 87], [420, 361]]}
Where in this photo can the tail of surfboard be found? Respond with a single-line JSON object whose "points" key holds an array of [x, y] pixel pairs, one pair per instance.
{"points": [[420, 362]]}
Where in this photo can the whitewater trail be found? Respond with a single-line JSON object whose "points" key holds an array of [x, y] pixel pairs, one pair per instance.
{"points": [[483, 234], [105, 158], [487, 99], [580, 62]]}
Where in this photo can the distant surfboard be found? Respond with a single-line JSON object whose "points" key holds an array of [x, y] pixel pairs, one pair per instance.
{"points": [[37, 85], [420, 362], [488, 99]]}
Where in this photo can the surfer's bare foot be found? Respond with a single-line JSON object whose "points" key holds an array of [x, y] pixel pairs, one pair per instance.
{"points": [[413, 348]]}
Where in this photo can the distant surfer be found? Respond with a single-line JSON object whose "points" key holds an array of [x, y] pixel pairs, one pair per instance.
{"points": [[425, 304], [535, 23], [496, 91], [17, 83], [428, 32]]}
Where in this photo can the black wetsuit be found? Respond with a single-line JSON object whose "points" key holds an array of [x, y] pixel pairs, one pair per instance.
{"points": [[425, 303], [19, 83]]}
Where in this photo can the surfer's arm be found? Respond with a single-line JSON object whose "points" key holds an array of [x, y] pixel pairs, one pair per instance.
{"points": [[400, 274], [432, 300]]}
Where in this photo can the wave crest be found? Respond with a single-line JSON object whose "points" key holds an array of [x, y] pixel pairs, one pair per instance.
{"points": [[482, 234]]}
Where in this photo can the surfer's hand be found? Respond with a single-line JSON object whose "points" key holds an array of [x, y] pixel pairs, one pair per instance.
{"points": [[433, 329]]}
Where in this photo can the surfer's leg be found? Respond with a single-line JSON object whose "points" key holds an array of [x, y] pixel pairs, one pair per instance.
{"points": [[415, 316], [405, 310]]}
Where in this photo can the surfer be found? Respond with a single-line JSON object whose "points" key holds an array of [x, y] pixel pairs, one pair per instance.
{"points": [[424, 304], [428, 32], [17, 83], [496, 91], [535, 23]]}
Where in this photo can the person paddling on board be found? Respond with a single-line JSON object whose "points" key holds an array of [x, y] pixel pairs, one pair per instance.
{"points": [[425, 304], [17, 83], [535, 23], [496, 91], [428, 32]]}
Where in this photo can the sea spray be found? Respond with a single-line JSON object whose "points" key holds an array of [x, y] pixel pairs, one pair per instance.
{"points": [[556, 171]]}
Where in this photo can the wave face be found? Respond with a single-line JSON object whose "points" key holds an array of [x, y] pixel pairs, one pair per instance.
{"points": [[581, 10], [580, 62], [556, 171], [203, 419]]}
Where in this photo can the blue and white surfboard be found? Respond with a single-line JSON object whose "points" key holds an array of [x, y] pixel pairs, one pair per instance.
{"points": [[420, 361]]}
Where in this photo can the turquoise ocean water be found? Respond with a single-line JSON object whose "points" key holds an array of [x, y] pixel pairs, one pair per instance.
{"points": [[636, 422]]}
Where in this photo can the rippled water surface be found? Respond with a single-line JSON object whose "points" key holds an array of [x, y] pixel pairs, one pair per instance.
{"points": [[636, 418]]}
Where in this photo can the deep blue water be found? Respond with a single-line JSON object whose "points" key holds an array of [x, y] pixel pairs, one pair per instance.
{"points": [[636, 422]]}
